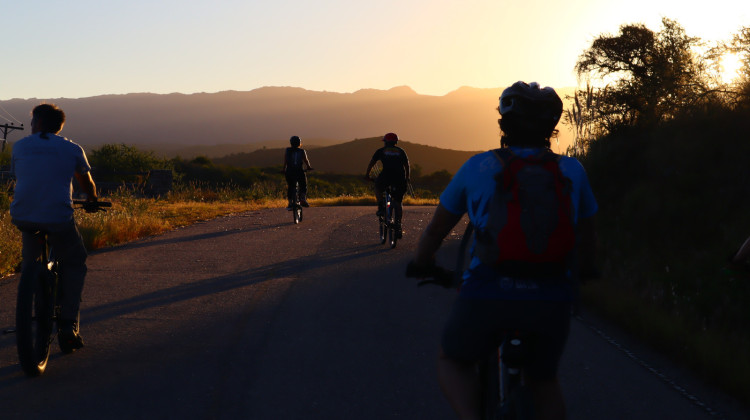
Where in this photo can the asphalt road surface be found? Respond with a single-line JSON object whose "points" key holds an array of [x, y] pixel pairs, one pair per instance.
{"points": [[252, 317]]}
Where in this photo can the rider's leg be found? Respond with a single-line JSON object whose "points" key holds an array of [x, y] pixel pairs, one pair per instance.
{"points": [[31, 247], [460, 384], [549, 403], [466, 340], [302, 180], [379, 188], [70, 252], [398, 211], [540, 375], [399, 191], [291, 188]]}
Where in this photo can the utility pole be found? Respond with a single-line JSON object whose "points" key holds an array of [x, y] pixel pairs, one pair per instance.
{"points": [[5, 129]]}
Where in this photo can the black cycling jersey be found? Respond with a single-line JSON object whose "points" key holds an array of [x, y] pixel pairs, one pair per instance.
{"points": [[295, 156], [394, 160]]}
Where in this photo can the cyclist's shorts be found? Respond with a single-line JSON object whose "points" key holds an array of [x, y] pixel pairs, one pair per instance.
{"points": [[476, 327], [398, 187]]}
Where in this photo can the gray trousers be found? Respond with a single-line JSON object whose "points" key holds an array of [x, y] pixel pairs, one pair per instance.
{"points": [[67, 247]]}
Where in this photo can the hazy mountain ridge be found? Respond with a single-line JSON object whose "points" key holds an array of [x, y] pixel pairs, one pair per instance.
{"points": [[352, 157], [465, 119]]}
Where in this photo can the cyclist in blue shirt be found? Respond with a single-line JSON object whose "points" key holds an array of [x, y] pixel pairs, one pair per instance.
{"points": [[44, 165], [295, 161], [491, 303], [396, 173]]}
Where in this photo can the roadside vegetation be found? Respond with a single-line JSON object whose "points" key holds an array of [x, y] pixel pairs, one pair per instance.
{"points": [[665, 144]]}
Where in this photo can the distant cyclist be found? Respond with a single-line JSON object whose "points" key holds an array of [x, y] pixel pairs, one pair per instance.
{"points": [[395, 173], [44, 165], [295, 163], [533, 297]]}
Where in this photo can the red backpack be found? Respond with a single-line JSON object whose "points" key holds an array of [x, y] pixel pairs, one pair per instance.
{"points": [[530, 228]]}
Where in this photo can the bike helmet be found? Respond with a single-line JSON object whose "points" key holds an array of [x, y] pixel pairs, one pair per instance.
{"points": [[390, 138], [295, 141], [533, 107]]}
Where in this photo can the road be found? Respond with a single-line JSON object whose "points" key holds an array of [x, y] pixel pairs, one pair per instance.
{"points": [[252, 317]]}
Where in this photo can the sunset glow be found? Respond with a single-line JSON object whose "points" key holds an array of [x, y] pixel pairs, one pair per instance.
{"points": [[730, 67], [81, 48]]}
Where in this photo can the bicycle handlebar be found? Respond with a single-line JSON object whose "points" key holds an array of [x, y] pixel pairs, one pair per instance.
{"points": [[439, 276], [92, 206]]}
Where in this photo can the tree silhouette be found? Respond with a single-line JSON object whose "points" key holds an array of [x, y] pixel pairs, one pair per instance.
{"points": [[740, 44], [651, 77]]}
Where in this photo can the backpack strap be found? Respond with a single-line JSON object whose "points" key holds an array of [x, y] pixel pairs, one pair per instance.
{"points": [[504, 155]]}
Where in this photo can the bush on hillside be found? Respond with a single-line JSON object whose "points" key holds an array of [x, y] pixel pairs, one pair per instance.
{"points": [[123, 163]]}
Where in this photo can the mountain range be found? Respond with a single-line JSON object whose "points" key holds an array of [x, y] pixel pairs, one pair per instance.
{"points": [[222, 123]]}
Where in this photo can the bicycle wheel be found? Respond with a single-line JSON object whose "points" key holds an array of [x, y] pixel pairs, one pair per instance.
{"points": [[34, 319], [489, 377], [392, 236], [297, 213], [383, 229], [515, 400]]}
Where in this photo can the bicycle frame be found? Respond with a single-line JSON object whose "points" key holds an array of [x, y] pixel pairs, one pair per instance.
{"points": [[387, 222], [297, 207], [515, 402]]}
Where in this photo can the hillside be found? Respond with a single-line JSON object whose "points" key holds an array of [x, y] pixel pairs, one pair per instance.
{"points": [[352, 157], [465, 119]]}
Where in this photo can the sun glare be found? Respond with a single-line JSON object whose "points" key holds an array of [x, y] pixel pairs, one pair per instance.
{"points": [[730, 67]]}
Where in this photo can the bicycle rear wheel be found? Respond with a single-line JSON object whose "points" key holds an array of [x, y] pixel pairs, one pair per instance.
{"points": [[297, 213], [489, 377], [515, 399], [34, 319], [392, 234], [383, 230]]}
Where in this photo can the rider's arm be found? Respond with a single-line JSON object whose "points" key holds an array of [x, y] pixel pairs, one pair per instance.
{"points": [[305, 160], [440, 226], [285, 162], [87, 185], [369, 167], [407, 167]]}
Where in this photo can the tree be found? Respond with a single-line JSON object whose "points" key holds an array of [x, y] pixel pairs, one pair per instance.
{"points": [[740, 44], [120, 162], [124, 158], [652, 76]]}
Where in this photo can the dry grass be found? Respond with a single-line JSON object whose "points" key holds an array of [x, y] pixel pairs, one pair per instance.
{"points": [[368, 201], [10, 246]]}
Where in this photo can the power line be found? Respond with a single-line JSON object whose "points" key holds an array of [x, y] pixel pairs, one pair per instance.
{"points": [[10, 115]]}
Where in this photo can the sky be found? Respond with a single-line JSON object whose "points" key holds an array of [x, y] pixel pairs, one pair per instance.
{"points": [[82, 48]]}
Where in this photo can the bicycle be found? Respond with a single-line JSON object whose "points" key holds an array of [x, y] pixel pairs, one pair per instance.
{"points": [[296, 206], [388, 229], [37, 305], [502, 395]]}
